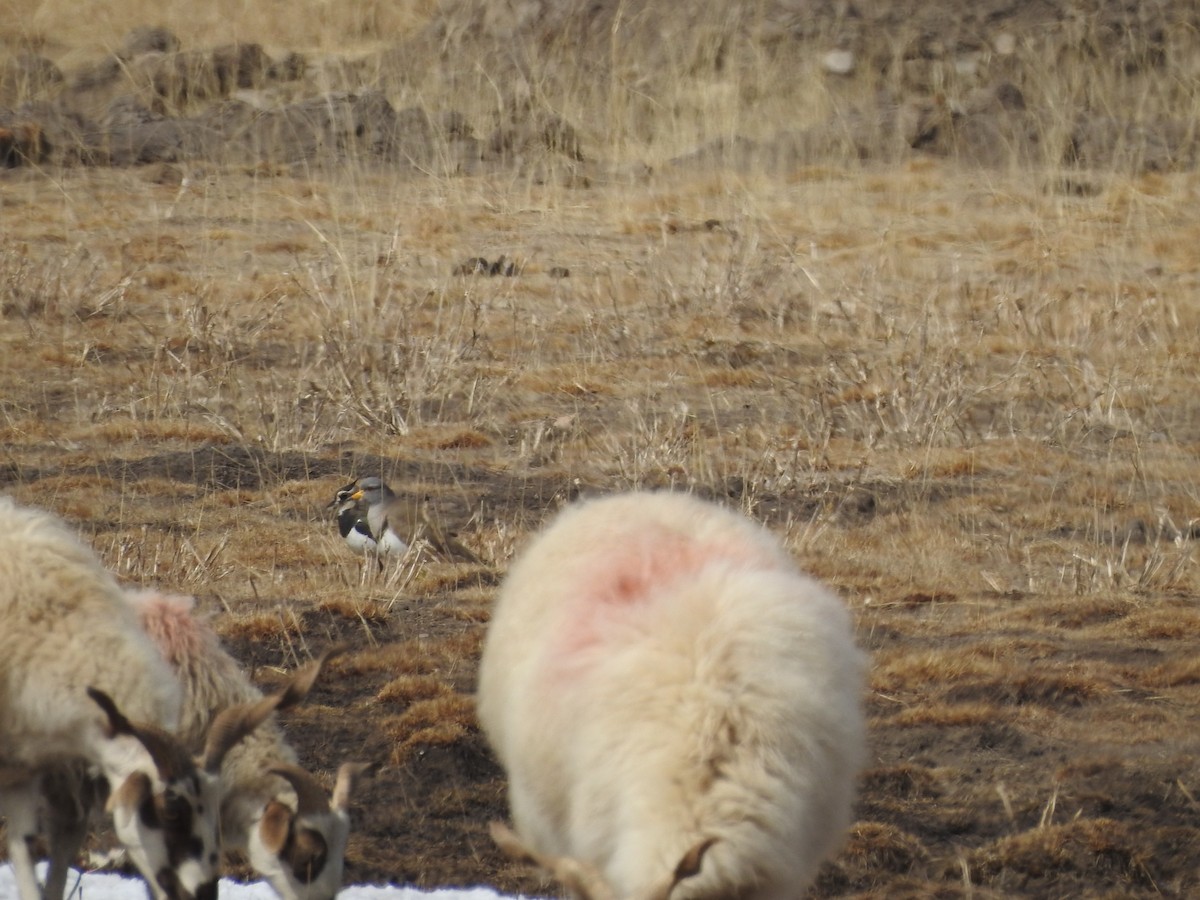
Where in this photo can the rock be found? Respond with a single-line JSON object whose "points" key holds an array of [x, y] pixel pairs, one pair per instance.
{"points": [[240, 66], [21, 143], [1152, 146], [44, 132], [136, 134], [195, 75], [292, 67], [27, 76], [478, 265], [838, 62], [148, 39], [532, 134]]}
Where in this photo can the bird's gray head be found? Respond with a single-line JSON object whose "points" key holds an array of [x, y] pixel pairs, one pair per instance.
{"points": [[369, 491], [362, 492]]}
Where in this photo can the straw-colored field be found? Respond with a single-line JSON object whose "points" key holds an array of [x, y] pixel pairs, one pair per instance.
{"points": [[963, 388]]}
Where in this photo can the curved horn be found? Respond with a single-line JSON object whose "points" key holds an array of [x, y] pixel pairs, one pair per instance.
{"points": [[117, 723], [347, 777], [165, 752], [302, 680], [233, 724], [310, 795]]}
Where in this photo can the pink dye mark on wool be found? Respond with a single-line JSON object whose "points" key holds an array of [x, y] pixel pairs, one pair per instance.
{"points": [[167, 619], [619, 578]]}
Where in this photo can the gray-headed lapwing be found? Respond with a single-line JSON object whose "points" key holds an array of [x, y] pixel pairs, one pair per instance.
{"points": [[371, 518]]}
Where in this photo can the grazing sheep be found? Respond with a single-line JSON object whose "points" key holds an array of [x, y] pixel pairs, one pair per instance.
{"points": [[86, 703], [677, 707], [271, 808]]}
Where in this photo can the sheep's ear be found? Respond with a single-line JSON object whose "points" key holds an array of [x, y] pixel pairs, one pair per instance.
{"points": [[127, 799], [576, 876], [307, 854], [234, 723], [688, 866], [310, 795], [303, 850], [347, 777], [274, 826]]}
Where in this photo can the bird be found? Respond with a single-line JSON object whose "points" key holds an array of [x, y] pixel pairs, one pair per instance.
{"points": [[372, 518], [352, 525]]}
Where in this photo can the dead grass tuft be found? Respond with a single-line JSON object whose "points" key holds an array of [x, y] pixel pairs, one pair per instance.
{"points": [[907, 780], [878, 846], [409, 689], [945, 715], [368, 611], [442, 720], [259, 628], [1102, 847]]}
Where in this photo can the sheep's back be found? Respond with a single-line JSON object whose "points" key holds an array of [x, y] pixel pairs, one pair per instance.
{"points": [[64, 627], [210, 678]]}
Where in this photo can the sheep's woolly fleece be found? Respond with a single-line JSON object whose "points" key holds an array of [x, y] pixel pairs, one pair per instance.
{"points": [[108, 886]]}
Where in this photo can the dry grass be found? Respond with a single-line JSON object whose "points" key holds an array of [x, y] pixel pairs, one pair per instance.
{"points": [[965, 397]]}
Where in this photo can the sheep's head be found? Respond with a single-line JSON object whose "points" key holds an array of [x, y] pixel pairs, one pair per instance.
{"points": [[301, 851], [164, 806], [583, 880]]}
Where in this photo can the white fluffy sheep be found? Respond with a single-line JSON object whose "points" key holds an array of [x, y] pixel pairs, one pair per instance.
{"points": [[86, 701], [271, 808], [677, 706]]}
